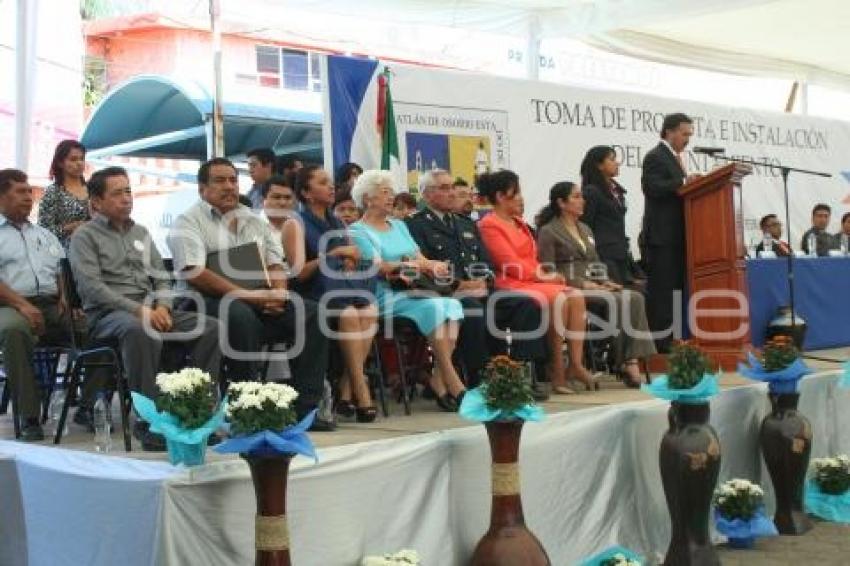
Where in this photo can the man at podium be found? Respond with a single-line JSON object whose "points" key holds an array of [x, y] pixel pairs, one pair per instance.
{"points": [[664, 173]]}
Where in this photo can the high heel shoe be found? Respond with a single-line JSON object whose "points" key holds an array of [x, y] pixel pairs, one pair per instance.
{"points": [[345, 408], [590, 382], [458, 399], [627, 378], [366, 414], [447, 403]]}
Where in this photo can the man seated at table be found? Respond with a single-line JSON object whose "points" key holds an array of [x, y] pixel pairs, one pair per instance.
{"points": [[127, 295], [771, 228], [253, 317], [443, 235], [31, 312], [824, 241]]}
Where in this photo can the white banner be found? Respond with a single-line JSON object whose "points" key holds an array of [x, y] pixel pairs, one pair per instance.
{"points": [[466, 122]]}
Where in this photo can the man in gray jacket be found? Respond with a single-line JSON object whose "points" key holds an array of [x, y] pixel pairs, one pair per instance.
{"points": [[127, 295]]}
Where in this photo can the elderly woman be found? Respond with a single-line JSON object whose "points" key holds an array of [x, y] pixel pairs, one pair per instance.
{"points": [[569, 246], [514, 256], [65, 204], [382, 238], [316, 236]]}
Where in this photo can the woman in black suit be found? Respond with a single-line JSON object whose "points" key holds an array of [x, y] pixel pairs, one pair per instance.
{"points": [[605, 211]]}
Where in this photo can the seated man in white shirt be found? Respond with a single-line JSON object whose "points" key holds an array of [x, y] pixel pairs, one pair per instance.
{"points": [[253, 317]]}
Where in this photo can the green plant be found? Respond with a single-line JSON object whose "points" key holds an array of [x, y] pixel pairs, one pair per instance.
{"points": [[506, 386], [738, 499], [779, 353], [687, 366], [832, 474], [253, 407], [187, 395]]}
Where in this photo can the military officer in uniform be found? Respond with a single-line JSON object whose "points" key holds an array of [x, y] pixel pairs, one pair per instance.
{"points": [[446, 236]]}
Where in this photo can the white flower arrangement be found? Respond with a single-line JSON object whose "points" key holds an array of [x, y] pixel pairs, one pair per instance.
{"points": [[832, 474], [184, 381], [255, 406], [405, 557], [187, 395], [738, 499]]}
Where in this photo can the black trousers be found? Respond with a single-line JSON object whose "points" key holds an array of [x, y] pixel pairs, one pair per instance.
{"points": [[247, 330], [666, 275], [517, 312]]}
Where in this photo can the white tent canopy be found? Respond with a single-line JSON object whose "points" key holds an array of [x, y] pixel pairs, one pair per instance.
{"points": [[794, 39]]}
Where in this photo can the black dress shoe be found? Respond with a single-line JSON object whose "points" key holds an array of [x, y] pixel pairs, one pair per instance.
{"points": [[85, 418], [32, 431], [322, 425], [151, 441]]}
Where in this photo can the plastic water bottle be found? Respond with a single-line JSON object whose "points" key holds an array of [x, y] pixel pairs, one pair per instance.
{"points": [[812, 242], [102, 425], [766, 243], [54, 411], [844, 244]]}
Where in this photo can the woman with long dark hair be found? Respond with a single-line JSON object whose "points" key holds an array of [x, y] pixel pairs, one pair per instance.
{"points": [[65, 204], [568, 245], [513, 252], [605, 211], [316, 237]]}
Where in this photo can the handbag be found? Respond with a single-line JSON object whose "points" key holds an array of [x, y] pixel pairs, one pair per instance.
{"points": [[419, 284]]}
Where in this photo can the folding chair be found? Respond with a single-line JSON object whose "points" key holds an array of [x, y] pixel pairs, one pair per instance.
{"points": [[101, 355]]}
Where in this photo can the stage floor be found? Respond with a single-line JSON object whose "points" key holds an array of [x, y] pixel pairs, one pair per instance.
{"points": [[426, 416]]}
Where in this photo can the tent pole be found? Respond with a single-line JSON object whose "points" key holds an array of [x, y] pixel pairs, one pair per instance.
{"points": [[532, 61], [217, 117], [25, 72], [804, 98]]}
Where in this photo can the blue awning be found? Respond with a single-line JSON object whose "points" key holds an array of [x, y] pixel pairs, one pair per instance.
{"points": [[157, 116]]}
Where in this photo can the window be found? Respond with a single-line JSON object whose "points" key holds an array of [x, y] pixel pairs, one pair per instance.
{"points": [[291, 69], [268, 66]]}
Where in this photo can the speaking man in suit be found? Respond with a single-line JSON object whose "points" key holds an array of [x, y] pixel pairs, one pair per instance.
{"points": [[664, 173], [444, 235]]}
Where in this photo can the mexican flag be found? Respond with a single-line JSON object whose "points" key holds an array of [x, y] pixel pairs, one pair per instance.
{"points": [[386, 125], [360, 120]]}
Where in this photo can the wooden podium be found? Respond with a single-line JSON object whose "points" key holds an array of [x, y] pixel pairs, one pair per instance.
{"points": [[716, 265]]}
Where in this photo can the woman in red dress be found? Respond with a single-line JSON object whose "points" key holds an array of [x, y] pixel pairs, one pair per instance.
{"points": [[514, 254]]}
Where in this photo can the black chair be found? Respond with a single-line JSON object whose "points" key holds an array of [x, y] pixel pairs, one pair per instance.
{"points": [[83, 360], [408, 343], [45, 362]]}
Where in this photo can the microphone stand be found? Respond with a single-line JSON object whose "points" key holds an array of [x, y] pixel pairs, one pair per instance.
{"points": [[785, 171]]}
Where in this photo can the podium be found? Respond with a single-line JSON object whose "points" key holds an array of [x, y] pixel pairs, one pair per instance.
{"points": [[718, 315]]}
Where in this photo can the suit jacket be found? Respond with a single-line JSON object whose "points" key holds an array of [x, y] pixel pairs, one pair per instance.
{"points": [[606, 218], [664, 215], [558, 247], [459, 245], [824, 241]]}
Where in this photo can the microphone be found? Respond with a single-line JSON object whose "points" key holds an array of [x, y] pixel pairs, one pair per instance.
{"points": [[709, 150]]}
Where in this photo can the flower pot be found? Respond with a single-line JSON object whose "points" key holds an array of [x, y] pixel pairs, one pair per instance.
{"points": [[690, 462], [786, 444], [741, 543], [782, 325], [271, 541], [190, 454], [507, 542]]}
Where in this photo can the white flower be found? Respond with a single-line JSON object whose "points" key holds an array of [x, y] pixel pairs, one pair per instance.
{"points": [[183, 381]]}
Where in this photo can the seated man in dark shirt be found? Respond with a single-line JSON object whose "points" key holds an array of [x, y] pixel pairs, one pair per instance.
{"points": [[824, 241], [771, 228], [443, 235], [126, 292]]}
